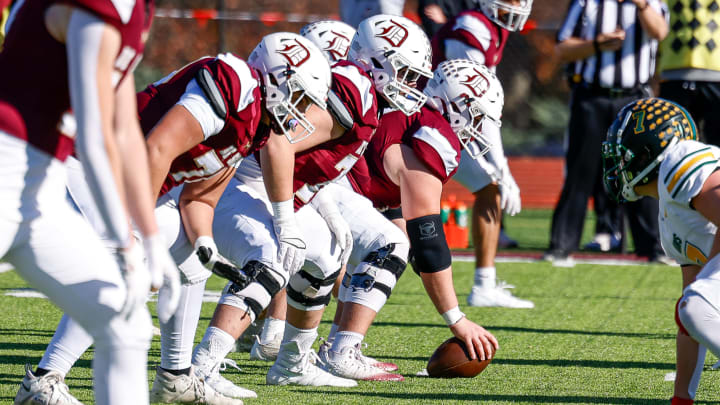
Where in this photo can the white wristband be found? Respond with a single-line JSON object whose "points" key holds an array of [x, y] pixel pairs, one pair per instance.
{"points": [[283, 210], [453, 316], [205, 241]]}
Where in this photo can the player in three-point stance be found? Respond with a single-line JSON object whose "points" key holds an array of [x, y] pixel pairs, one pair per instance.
{"points": [[651, 150]]}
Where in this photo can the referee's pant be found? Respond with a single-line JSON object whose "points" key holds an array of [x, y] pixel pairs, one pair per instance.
{"points": [[592, 110]]}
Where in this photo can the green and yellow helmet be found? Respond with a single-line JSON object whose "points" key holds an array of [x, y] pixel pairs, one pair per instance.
{"points": [[638, 141]]}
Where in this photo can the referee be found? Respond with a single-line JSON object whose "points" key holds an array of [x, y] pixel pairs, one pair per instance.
{"points": [[610, 46]]}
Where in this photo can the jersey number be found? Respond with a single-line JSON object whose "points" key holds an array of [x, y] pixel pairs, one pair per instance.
{"points": [[639, 117]]}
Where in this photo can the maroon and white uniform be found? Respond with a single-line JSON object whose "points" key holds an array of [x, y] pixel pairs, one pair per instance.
{"points": [[34, 93], [47, 242], [470, 35], [430, 137], [234, 137]]}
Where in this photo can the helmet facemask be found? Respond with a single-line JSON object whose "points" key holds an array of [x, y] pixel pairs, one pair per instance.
{"points": [[506, 14], [289, 111], [400, 90], [467, 124]]}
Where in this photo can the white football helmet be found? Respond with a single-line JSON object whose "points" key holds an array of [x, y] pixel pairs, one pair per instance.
{"points": [[466, 93], [331, 36], [396, 52], [291, 68], [509, 14]]}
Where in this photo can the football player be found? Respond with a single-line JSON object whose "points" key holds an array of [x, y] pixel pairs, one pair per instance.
{"points": [[80, 55], [354, 107], [201, 121], [480, 35], [651, 150], [408, 161]]}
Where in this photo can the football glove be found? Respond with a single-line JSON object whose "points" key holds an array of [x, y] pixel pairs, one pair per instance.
{"points": [[327, 208], [292, 247], [136, 276], [163, 274], [208, 254], [509, 193]]}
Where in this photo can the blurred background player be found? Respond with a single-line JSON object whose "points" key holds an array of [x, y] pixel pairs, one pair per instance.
{"points": [[46, 241], [651, 150], [353, 12], [689, 64], [610, 47], [435, 13], [480, 35]]}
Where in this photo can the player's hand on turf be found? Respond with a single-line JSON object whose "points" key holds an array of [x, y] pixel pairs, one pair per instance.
{"points": [[509, 194], [207, 252], [164, 275], [136, 276], [480, 343]]}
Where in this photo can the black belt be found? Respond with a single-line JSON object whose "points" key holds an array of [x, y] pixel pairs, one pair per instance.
{"points": [[613, 92]]}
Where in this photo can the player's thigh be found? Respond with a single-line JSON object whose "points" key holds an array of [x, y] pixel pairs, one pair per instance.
{"points": [[473, 173], [243, 227], [370, 229], [322, 256]]}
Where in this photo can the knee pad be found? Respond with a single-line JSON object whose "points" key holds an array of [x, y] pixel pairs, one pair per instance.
{"points": [[254, 298], [309, 293], [375, 277]]}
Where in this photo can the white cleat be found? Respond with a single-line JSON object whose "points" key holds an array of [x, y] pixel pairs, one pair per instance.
{"points": [[349, 364], [211, 374], [266, 351], [295, 368], [49, 389], [186, 389], [324, 352], [496, 297]]}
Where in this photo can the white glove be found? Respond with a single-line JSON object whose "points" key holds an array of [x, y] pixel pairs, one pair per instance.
{"points": [[327, 208], [509, 193], [291, 252], [136, 276], [163, 274]]}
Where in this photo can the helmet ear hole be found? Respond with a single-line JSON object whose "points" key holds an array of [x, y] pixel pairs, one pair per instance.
{"points": [[376, 63], [273, 80]]}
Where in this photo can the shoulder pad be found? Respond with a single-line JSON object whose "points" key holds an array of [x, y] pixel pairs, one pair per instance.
{"points": [[685, 169], [206, 82], [339, 111], [436, 151]]}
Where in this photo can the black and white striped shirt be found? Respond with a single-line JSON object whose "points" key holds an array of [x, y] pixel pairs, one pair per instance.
{"points": [[633, 64]]}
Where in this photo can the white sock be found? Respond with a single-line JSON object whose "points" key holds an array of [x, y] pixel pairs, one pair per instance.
{"points": [[344, 339], [304, 337], [271, 328], [67, 345], [485, 277], [215, 345], [333, 332], [178, 334]]}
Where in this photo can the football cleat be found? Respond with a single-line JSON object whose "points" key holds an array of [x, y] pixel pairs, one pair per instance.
{"points": [[266, 351], [295, 368], [186, 389], [498, 296], [324, 352], [349, 364], [49, 389], [210, 373]]}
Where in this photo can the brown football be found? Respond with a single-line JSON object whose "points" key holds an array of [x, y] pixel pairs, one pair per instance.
{"points": [[451, 360]]}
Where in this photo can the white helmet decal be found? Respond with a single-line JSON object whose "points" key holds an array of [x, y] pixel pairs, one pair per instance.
{"points": [[295, 53], [394, 33]]}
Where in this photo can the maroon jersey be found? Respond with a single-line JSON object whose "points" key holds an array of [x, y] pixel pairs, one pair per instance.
{"points": [[430, 137], [240, 90], [472, 28], [34, 91], [335, 158]]}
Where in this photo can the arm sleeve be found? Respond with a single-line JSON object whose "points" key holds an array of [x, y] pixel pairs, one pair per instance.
{"points": [[83, 47], [197, 104]]}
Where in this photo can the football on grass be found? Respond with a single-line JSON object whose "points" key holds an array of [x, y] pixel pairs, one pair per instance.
{"points": [[451, 360]]}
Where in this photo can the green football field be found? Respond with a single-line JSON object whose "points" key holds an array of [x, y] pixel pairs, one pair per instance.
{"points": [[598, 334]]}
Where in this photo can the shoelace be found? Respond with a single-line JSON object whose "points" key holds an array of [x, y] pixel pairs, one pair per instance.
{"points": [[225, 363]]}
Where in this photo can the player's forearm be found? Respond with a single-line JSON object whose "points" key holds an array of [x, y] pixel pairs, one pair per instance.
{"points": [[440, 289], [573, 49], [197, 218], [278, 164], [653, 23], [91, 49]]}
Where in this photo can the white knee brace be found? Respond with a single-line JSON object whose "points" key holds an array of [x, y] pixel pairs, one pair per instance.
{"points": [[375, 277], [308, 292]]}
